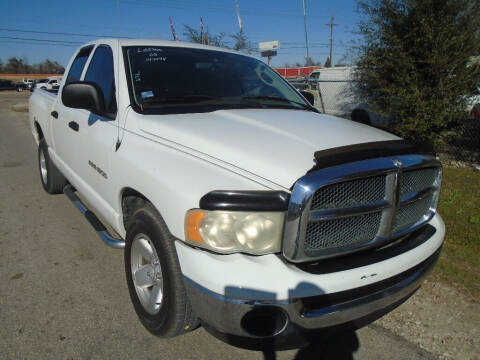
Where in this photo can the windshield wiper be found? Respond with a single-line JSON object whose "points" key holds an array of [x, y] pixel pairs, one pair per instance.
{"points": [[283, 100], [178, 99]]}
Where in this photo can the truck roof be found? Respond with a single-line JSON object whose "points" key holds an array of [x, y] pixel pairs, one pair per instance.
{"points": [[157, 42]]}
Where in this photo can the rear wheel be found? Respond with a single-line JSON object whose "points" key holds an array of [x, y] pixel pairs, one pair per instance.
{"points": [[360, 116], [154, 278], [52, 179]]}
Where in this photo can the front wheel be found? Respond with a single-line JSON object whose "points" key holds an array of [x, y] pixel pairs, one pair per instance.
{"points": [[154, 278], [19, 89]]}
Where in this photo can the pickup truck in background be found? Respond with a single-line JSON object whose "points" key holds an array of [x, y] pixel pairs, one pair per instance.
{"points": [[50, 84], [25, 84], [238, 206]]}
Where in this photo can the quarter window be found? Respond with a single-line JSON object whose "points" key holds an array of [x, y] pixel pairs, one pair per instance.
{"points": [[78, 64], [100, 71]]}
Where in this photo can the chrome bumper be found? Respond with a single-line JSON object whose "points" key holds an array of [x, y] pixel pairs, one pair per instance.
{"points": [[354, 308]]}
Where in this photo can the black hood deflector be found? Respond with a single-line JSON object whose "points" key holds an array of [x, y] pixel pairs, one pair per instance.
{"points": [[346, 154]]}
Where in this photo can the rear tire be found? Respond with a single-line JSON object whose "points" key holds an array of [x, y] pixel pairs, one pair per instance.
{"points": [[154, 278], [360, 116], [52, 179]]}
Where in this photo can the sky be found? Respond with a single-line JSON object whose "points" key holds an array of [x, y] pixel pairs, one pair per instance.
{"points": [[54, 28]]}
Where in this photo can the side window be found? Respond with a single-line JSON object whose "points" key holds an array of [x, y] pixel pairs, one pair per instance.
{"points": [[78, 64], [100, 71]]}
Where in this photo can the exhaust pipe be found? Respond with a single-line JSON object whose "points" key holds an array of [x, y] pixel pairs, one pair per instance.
{"points": [[93, 220]]}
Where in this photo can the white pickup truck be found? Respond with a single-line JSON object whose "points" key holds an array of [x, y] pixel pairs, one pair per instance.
{"points": [[50, 84], [239, 207]]}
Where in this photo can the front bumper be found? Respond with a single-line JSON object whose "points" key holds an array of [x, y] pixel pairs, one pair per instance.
{"points": [[286, 324]]}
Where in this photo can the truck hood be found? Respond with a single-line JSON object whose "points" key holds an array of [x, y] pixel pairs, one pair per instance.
{"points": [[275, 144]]}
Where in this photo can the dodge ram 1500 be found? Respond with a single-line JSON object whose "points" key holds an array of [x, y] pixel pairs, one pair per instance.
{"points": [[238, 206]]}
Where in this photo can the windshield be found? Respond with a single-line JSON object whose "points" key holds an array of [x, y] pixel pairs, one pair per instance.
{"points": [[180, 80]]}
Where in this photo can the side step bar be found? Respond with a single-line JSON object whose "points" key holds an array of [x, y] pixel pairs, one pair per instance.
{"points": [[93, 220]]}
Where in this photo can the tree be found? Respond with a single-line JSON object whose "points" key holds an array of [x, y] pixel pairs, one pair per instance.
{"points": [[310, 62], [412, 62], [195, 36], [241, 42], [21, 66], [14, 66], [1, 66], [328, 63]]}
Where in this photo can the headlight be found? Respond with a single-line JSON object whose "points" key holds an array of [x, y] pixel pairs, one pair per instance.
{"points": [[228, 232]]}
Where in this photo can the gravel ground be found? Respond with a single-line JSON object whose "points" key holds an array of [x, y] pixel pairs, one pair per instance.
{"points": [[440, 320]]}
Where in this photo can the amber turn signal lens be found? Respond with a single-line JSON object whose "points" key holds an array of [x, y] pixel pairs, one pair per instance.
{"points": [[193, 224]]}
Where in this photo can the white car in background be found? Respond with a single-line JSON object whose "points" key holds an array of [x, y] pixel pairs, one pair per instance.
{"points": [[338, 96]]}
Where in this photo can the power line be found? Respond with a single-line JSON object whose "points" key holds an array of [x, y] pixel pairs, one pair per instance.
{"points": [[34, 43], [41, 40], [61, 33]]}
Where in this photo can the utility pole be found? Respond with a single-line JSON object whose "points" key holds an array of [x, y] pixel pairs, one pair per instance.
{"points": [[331, 24], [305, 26]]}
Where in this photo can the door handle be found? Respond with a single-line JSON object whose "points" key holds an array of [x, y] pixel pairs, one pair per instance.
{"points": [[54, 114], [73, 125]]}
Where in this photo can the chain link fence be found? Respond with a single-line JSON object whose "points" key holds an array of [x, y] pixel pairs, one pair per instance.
{"points": [[337, 97], [462, 142]]}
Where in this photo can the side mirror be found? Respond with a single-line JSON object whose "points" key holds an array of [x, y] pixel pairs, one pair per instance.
{"points": [[84, 95], [309, 96]]}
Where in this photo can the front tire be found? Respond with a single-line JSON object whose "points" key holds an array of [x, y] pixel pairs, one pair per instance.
{"points": [[52, 179], [154, 278]]}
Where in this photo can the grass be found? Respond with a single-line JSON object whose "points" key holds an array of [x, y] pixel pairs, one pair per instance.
{"points": [[459, 264]]}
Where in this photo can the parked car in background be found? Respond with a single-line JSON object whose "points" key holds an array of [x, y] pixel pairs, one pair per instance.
{"points": [[7, 84], [49, 84], [38, 83], [25, 84], [338, 96]]}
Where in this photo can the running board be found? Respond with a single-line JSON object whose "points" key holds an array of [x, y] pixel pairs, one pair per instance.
{"points": [[93, 220]]}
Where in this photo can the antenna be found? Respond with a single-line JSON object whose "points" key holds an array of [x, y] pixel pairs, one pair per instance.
{"points": [[331, 24], [238, 15]]}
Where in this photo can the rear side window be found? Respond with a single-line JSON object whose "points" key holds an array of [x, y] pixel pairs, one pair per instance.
{"points": [[78, 64], [100, 71]]}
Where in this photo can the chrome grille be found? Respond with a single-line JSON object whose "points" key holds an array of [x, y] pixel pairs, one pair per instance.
{"points": [[336, 233], [417, 180], [346, 208], [409, 214], [350, 193]]}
